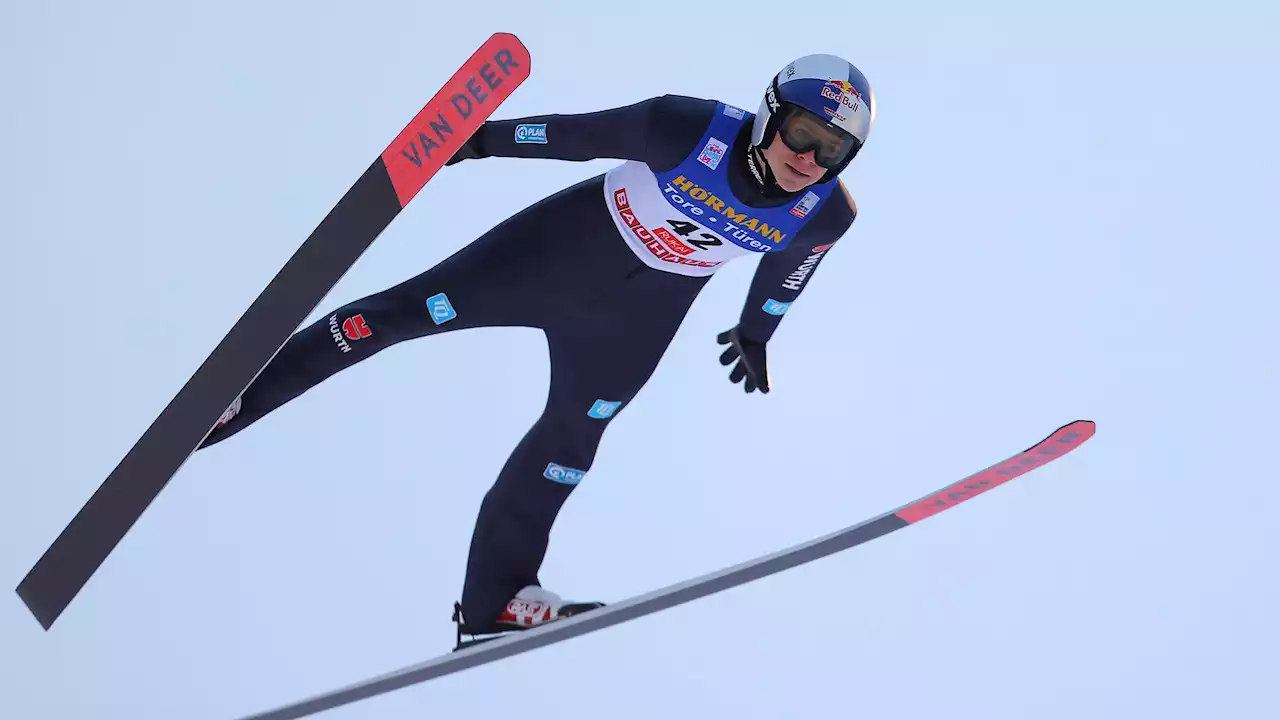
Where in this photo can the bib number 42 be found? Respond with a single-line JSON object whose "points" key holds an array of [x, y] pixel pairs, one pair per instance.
{"points": [[685, 228]]}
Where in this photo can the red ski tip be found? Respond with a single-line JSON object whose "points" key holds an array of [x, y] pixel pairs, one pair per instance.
{"points": [[1064, 440], [455, 113]]}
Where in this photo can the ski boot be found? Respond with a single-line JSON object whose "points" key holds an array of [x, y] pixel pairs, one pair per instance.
{"points": [[532, 607], [230, 412]]}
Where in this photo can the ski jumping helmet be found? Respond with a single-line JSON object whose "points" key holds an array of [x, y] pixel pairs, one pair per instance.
{"points": [[825, 87]]}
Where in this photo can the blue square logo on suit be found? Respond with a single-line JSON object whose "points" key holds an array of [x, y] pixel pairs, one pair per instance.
{"points": [[441, 309], [603, 409], [775, 307]]}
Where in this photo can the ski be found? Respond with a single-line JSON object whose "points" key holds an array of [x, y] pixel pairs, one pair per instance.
{"points": [[394, 178], [1062, 441]]}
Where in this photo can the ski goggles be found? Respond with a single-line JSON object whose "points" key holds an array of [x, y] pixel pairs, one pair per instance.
{"points": [[803, 131]]}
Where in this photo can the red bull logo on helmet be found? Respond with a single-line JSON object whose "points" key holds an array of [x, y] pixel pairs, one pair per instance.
{"points": [[846, 98], [843, 92], [845, 87]]}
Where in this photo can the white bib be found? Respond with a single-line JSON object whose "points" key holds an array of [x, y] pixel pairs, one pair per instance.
{"points": [[667, 230]]}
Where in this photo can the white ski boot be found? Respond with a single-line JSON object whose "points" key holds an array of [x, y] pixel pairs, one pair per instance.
{"points": [[531, 607], [231, 412]]}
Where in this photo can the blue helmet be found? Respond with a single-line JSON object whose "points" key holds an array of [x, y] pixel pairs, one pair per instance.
{"points": [[822, 93]]}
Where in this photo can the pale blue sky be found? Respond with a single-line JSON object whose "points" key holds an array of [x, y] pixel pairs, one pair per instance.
{"points": [[1065, 212]]}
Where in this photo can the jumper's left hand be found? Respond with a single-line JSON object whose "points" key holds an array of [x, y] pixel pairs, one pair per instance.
{"points": [[752, 365]]}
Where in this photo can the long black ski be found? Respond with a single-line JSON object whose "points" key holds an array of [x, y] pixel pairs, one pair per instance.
{"points": [[1062, 441], [439, 129]]}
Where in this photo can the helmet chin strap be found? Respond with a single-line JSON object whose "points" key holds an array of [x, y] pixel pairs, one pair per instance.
{"points": [[763, 173]]}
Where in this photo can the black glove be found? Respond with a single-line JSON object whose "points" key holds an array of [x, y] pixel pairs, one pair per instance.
{"points": [[752, 364], [470, 150]]}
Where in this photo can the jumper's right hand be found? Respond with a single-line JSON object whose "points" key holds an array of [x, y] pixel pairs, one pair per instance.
{"points": [[470, 150]]}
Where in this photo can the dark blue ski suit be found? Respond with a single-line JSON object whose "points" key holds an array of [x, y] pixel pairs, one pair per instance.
{"points": [[566, 266]]}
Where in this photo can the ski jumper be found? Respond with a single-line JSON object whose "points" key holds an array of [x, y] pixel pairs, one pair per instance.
{"points": [[607, 269]]}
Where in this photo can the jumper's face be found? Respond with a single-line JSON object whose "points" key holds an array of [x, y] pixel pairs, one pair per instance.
{"points": [[793, 171], [805, 147]]}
